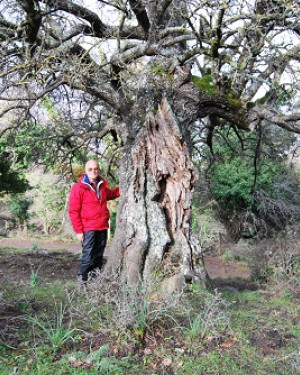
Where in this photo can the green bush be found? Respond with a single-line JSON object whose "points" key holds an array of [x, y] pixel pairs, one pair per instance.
{"points": [[247, 178], [18, 206], [11, 181], [231, 184]]}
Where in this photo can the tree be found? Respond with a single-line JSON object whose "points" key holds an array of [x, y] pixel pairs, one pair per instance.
{"points": [[251, 180], [153, 74], [48, 195], [11, 180], [19, 206]]}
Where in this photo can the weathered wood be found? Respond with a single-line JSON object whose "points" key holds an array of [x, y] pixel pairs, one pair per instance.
{"points": [[155, 207]]}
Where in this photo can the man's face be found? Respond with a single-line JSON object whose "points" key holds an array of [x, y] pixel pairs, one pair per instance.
{"points": [[92, 170]]}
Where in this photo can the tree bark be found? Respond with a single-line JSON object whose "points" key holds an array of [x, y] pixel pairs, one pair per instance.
{"points": [[157, 181]]}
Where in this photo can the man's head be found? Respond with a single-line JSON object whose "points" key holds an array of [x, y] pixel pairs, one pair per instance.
{"points": [[92, 170]]}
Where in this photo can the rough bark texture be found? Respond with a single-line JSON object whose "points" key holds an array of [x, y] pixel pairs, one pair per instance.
{"points": [[155, 206]]}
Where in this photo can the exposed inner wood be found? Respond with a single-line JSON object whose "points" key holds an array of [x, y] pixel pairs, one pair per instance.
{"points": [[156, 217]]}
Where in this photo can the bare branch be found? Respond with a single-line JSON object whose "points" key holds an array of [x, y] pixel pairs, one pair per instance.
{"points": [[141, 14], [276, 66], [33, 19], [290, 123], [97, 26]]}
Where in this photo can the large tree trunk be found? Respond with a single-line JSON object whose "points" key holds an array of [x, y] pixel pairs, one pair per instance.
{"points": [[156, 180]]}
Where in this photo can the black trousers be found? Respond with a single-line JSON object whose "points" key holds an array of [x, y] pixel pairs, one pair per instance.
{"points": [[93, 247]]}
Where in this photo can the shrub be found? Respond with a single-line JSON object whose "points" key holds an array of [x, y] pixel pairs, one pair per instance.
{"points": [[18, 206], [11, 181], [253, 176]]}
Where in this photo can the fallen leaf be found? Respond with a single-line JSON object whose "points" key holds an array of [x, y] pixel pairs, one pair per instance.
{"points": [[227, 344], [115, 351], [148, 351], [167, 362], [77, 364], [179, 350]]}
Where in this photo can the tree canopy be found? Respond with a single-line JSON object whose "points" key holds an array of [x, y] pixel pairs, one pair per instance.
{"points": [[244, 55]]}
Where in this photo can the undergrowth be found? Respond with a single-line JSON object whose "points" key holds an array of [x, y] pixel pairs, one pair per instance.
{"points": [[106, 328]]}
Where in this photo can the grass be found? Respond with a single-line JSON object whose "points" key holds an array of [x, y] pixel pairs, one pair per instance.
{"points": [[55, 330], [34, 277], [51, 326]]}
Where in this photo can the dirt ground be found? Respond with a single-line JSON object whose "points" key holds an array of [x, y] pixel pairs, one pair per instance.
{"points": [[46, 244], [57, 259]]}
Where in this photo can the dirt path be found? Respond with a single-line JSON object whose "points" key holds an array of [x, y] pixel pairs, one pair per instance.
{"points": [[34, 243], [222, 268], [215, 266]]}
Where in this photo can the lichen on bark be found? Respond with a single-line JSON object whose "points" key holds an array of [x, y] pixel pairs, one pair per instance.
{"points": [[156, 218]]}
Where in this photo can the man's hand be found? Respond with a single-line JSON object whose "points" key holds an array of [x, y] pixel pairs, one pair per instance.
{"points": [[80, 237]]}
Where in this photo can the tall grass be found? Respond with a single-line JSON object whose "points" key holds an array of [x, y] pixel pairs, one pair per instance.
{"points": [[58, 330]]}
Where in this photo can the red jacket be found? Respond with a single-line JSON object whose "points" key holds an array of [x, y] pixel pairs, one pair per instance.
{"points": [[88, 211]]}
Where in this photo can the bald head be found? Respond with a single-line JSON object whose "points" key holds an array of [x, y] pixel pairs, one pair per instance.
{"points": [[92, 170]]}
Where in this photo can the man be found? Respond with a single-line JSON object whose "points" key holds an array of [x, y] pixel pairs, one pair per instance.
{"points": [[90, 216]]}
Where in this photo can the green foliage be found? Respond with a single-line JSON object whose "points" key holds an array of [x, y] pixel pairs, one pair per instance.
{"points": [[18, 206], [205, 83], [233, 181], [42, 144], [232, 184], [163, 72], [159, 69], [55, 330], [136, 303], [279, 94], [102, 363], [202, 224], [27, 144], [239, 177], [34, 279], [49, 106], [11, 180], [211, 320], [49, 196]]}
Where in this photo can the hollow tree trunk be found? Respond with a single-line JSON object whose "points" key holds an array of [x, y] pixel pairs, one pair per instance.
{"points": [[156, 181]]}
